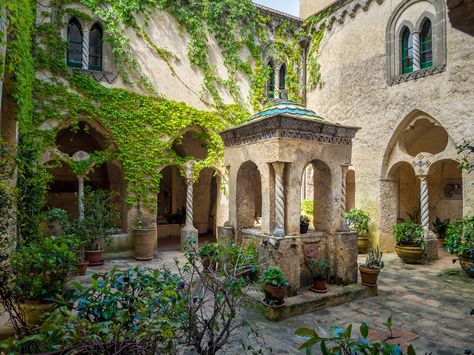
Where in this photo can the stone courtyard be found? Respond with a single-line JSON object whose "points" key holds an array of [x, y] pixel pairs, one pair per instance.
{"points": [[430, 306]]}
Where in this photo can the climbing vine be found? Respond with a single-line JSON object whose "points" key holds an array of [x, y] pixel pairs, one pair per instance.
{"points": [[142, 127]]}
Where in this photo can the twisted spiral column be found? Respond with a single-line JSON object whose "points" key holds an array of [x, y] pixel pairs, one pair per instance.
{"points": [[424, 203], [189, 201], [80, 179], [279, 195], [85, 48], [416, 50], [342, 206]]}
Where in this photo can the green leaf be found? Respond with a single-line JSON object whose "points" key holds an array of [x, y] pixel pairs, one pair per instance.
{"points": [[347, 333], [364, 329], [305, 332], [411, 350]]}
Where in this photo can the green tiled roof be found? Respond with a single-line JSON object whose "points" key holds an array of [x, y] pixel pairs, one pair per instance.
{"points": [[286, 108]]}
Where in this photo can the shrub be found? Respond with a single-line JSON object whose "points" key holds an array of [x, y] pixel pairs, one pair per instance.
{"points": [[307, 207], [459, 237], [318, 267], [358, 220], [374, 260], [409, 233], [208, 250], [440, 226], [42, 267], [274, 276]]}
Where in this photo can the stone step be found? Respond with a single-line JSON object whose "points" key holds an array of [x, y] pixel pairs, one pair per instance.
{"points": [[307, 301]]}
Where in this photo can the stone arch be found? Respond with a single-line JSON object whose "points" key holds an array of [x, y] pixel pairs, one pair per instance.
{"points": [[418, 141], [89, 137], [322, 194], [249, 196], [191, 143]]}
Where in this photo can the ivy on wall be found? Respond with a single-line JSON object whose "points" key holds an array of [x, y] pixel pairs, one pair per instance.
{"points": [[142, 128]]}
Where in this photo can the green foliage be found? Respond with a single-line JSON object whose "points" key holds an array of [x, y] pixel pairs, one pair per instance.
{"points": [[467, 150], [339, 341], [101, 215], [459, 239], [307, 207], [358, 220], [374, 260], [131, 311], [409, 233], [304, 219], [318, 267], [440, 226], [208, 250], [274, 276], [58, 215], [42, 267]]}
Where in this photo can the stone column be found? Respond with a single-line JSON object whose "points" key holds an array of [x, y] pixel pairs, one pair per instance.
{"points": [[431, 250], [3, 46], [189, 231], [80, 179], [279, 200], [416, 50], [342, 206], [85, 48]]}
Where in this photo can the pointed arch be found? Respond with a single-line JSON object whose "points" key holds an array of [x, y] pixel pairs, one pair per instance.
{"points": [[74, 41], [95, 47]]}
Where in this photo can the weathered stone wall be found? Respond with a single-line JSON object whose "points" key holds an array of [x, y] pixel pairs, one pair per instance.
{"points": [[354, 69]]}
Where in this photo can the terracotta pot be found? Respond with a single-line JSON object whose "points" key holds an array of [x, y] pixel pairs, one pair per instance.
{"points": [[409, 254], [276, 294], [369, 276], [95, 257], [304, 228], [144, 241], [467, 264], [319, 285], [36, 311], [363, 244], [82, 267]]}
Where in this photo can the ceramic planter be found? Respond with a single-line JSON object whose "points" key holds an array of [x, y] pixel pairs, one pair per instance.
{"points": [[319, 285], [275, 294], [35, 311], [369, 276], [467, 264], [304, 228], [144, 241], [95, 257], [363, 244], [82, 267], [409, 254]]}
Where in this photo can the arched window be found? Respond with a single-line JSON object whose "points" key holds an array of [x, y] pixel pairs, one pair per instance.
{"points": [[407, 51], [426, 48], [74, 40], [271, 81], [95, 48], [282, 83]]}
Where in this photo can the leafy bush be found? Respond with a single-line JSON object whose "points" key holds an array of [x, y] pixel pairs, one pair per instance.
{"points": [[42, 267], [274, 276], [358, 220], [208, 250], [440, 226], [339, 341], [304, 219], [58, 215], [101, 215], [459, 237], [307, 207], [132, 311], [374, 260], [318, 267], [409, 233]]}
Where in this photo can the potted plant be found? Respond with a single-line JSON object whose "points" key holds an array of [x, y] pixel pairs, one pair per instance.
{"points": [[304, 224], [440, 226], [409, 241], [57, 221], [369, 271], [459, 240], [358, 221], [42, 268], [101, 214], [144, 238], [319, 270], [274, 286], [208, 255]]}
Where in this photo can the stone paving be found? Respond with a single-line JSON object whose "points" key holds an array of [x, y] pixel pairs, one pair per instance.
{"points": [[429, 305]]}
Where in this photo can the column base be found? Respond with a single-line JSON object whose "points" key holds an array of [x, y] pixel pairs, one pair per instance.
{"points": [[189, 237], [431, 251]]}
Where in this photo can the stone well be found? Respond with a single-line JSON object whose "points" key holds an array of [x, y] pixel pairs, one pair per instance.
{"points": [[266, 158]]}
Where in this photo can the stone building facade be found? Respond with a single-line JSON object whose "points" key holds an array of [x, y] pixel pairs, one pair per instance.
{"points": [[399, 70]]}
